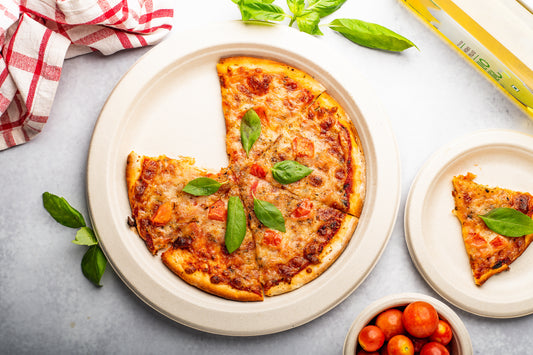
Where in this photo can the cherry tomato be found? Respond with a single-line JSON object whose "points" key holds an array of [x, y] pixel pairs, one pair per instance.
{"points": [[217, 211], [443, 334], [258, 170], [418, 343], [163, 214], [272, 238], [420, 319], [390, 321], [303, 147], [302, 209], [434, 348], [371, 338], [362, 352], [400, 345]]}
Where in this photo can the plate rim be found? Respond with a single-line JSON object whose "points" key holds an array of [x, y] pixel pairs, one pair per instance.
{"points": [[429, 172], [366, 105]]}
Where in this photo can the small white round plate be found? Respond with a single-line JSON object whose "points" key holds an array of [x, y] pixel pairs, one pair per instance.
{"points": [[170, 103], [500, 158]]}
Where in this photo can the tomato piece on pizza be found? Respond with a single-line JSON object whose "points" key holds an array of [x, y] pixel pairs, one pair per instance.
{"points": [[315, 235], [323, 139], [489, 253], [275, 91]]}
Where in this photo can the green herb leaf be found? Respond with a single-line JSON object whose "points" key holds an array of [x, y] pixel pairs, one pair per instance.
{"points": [[62, 212], [85, 236], [325, 7], [93, 264], [289, 171], [296, 6], [202, 186], [508, 222], [250, 129], [260, 10], [269, 215], [308, 23], [370, 35], [235, 224]]}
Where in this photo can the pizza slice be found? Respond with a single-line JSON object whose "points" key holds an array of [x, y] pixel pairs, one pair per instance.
{"points": [[191, 229], [323, 139], [275, 91], [199, 256], [315, 235], [489, 252], [156, 198]]}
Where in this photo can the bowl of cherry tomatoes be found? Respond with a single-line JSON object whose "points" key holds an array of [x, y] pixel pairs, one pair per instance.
{"points": [[408, 324]]}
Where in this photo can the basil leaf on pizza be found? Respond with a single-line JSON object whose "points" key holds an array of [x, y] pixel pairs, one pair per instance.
{"points": [[289, 171], [508, 222], [93, 264], [62, 211], [250, 129], [370, 35], [269, 215], [202, 186], [85, 236], [235, 224]]}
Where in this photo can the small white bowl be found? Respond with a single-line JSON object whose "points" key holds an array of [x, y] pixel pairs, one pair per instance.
{"points": [[460, 344]]}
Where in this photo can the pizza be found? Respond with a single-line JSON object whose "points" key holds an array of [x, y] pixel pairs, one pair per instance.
{"points": [[489, 253], [314, 236], [275, 91], [323, 139], [291, 231]]}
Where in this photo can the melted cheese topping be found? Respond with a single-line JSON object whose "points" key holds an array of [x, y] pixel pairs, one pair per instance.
{"points": [[320, 139], [274, 90]]}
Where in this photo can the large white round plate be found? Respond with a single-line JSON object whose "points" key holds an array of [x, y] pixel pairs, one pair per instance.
{"points": [[500, 158], [169, 103]]}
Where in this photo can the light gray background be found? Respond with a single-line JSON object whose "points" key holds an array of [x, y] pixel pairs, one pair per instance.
{"points": [[431, 96]]}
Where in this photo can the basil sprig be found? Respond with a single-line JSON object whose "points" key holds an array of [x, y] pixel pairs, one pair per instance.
{"points": [[370, 35], [235, 224], [202, 186], [250, 129], [508, 222], [94, 262], [307, 19], [269, 215], [289, 171]]}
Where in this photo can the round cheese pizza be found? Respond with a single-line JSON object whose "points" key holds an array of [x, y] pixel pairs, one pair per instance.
{"points": [[282, 211]]}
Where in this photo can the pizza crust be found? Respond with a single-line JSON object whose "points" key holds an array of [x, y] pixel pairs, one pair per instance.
{"points": [[175, 259], [330, 253], [357, 164], [272, 67]]}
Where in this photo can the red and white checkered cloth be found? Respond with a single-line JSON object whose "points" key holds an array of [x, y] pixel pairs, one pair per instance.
{"points": [[37, 35]]}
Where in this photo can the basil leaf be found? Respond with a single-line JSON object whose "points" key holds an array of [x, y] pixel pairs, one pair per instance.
{"points": [[325, 7], [269, 215], [289, 171], [308, 23], [62, 212], [85, 236], [235, 224], [370, 35], [508, 222], [260, 10], [296, 6], [93, 264], [250, 129], [202, 186]]}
